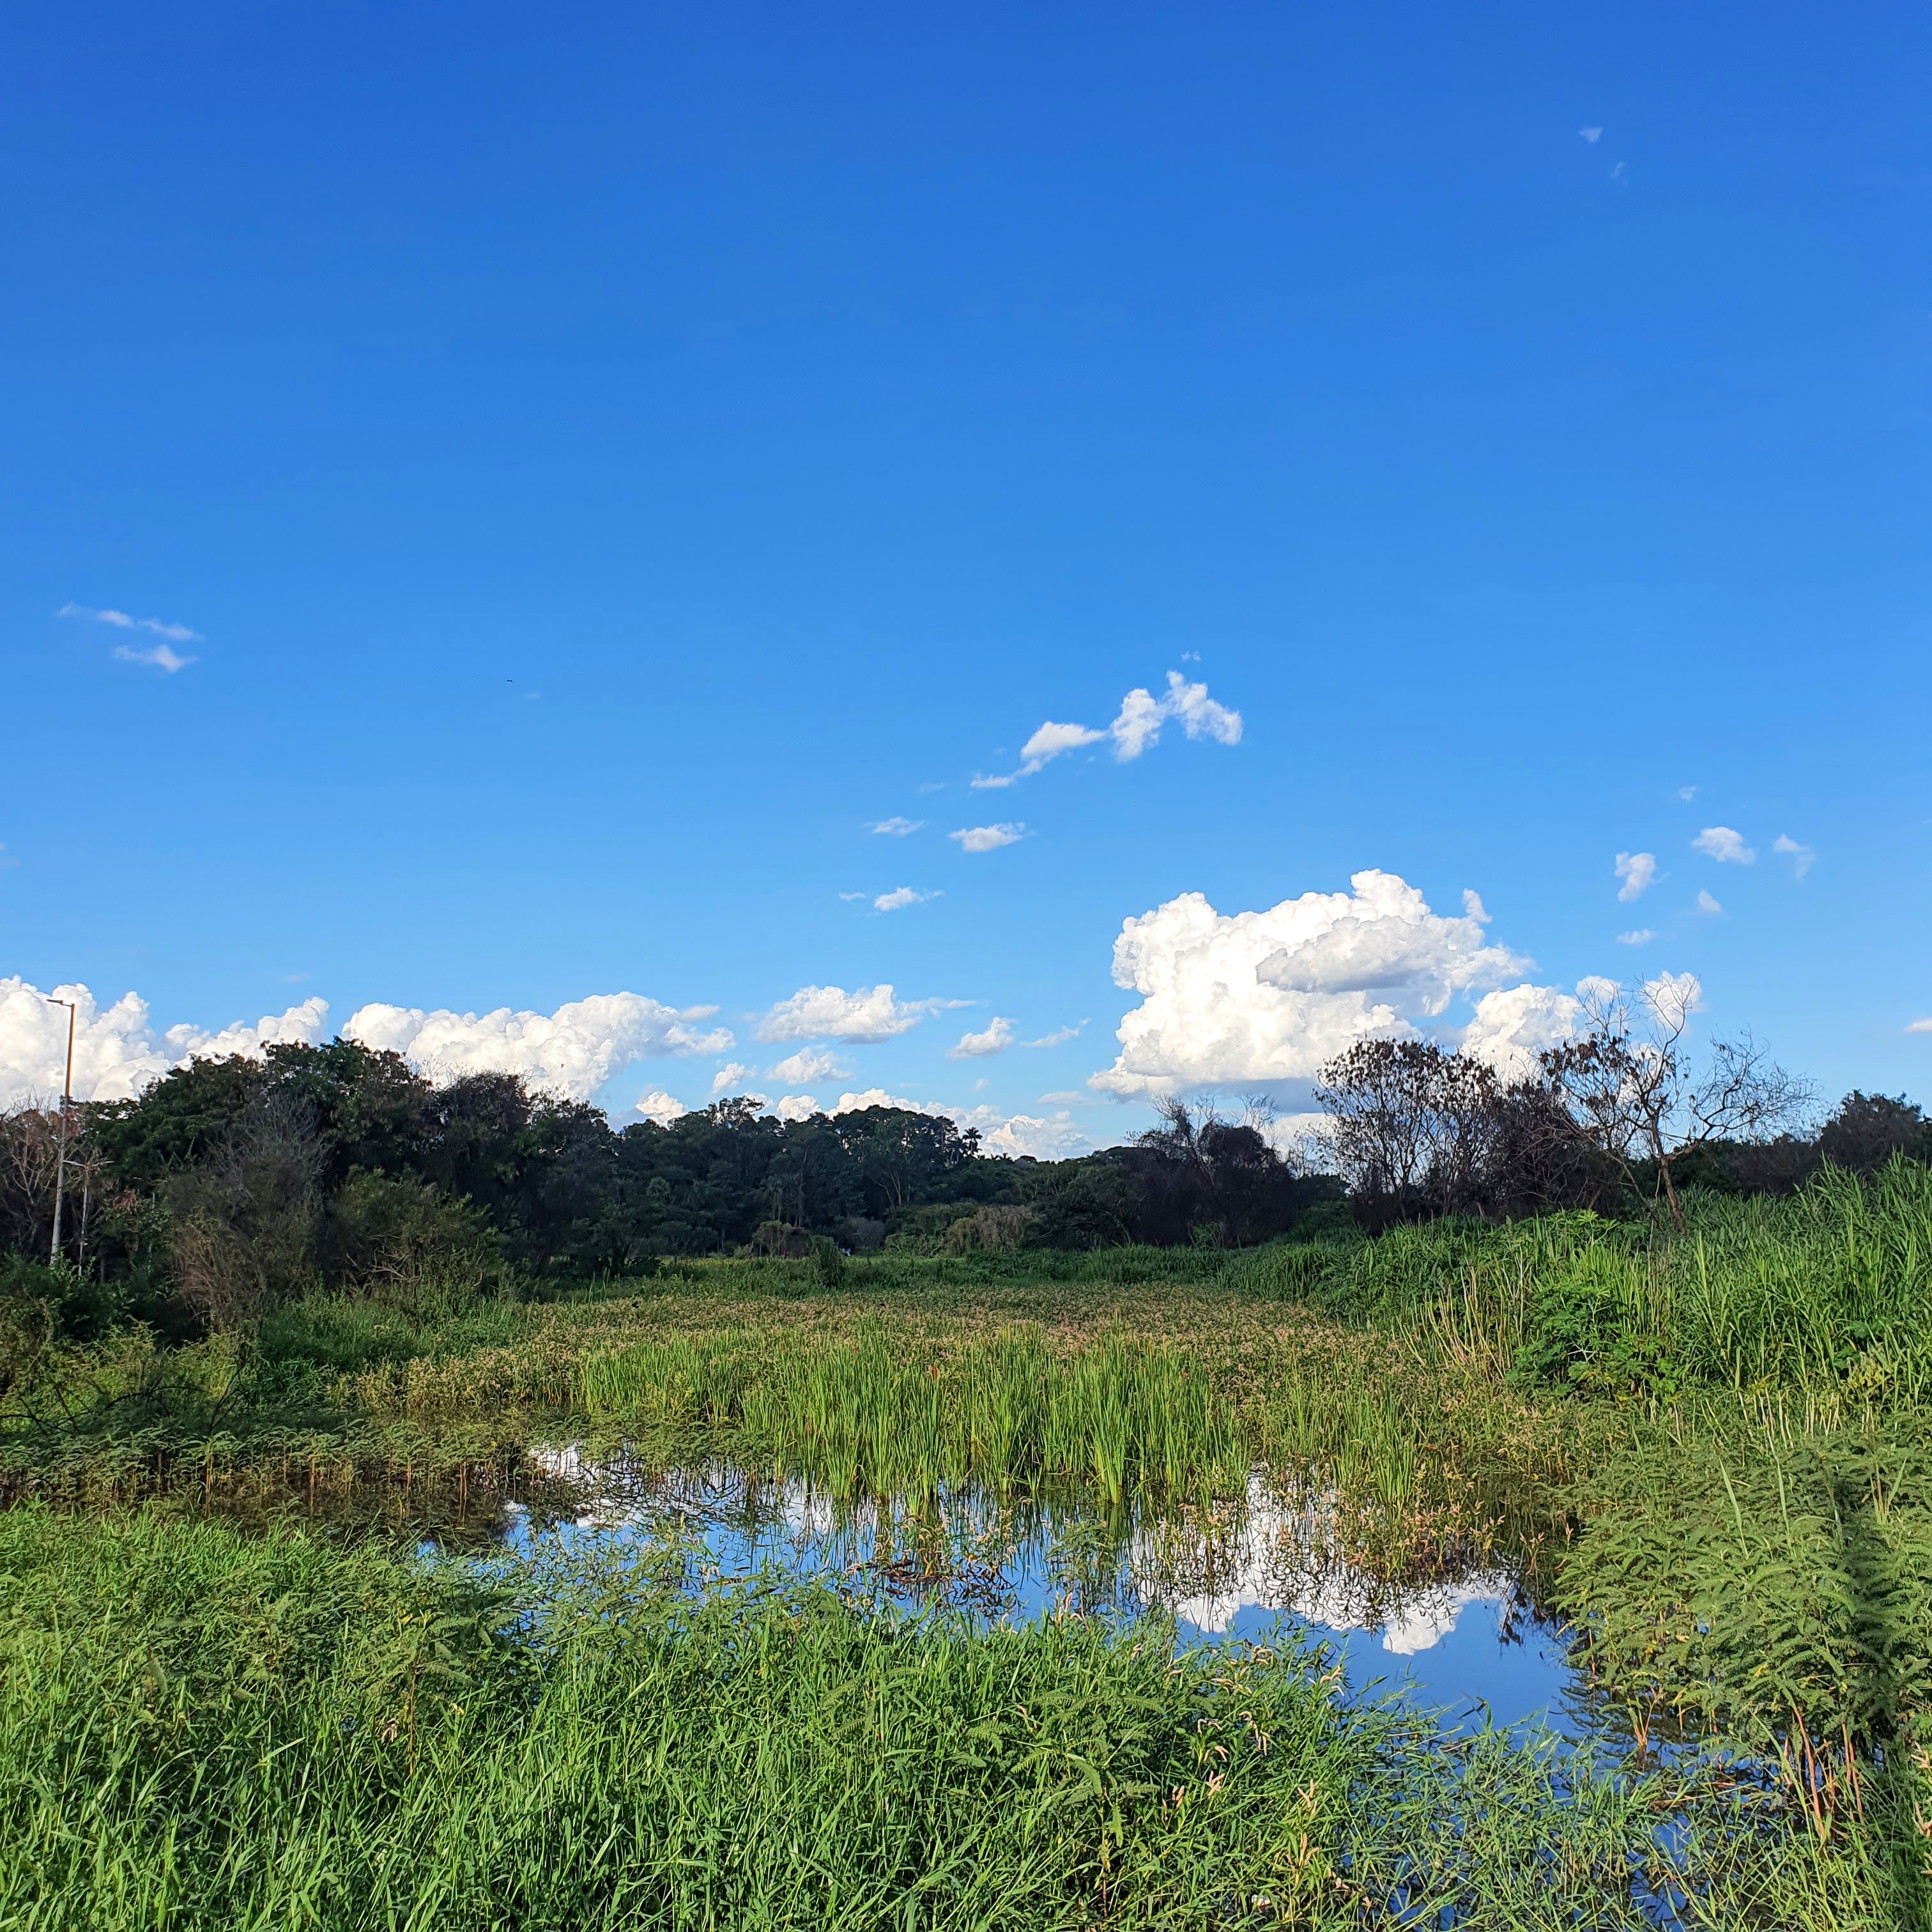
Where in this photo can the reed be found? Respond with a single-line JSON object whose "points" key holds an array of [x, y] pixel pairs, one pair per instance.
{"points": [[198, 1730], [1128, 1415]]}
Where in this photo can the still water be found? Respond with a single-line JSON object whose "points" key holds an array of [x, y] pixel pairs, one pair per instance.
{"points": [[1466, 1643]]}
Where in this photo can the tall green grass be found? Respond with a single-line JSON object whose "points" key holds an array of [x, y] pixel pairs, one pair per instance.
{"points": [[1126, 1416], [1828, 1290], [201, 1731]]}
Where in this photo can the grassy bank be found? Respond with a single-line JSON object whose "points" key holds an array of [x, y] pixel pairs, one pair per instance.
{"points": [[1707, 1449], [197, 1728]]}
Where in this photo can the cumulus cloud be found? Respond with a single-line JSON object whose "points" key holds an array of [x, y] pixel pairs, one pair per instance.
{"points": [[1919, 1026], [877, 1096], [1513, 1025], [116, 1050], [978, 1045], [178, 634], [1025, 1135], [1592, 135], [894, 827], [1687, 793], [1135, 727], [796, 1107], [901, 897], [1707, 906], [1720, 843], [158, 656], [1253, 998], [1802, 857], [1641, 936], [571, 1051], [1019, 1135], [662, 1107], [988, 838], [1637, 870], [1673, 997], [731, 1074], [809, 1063], [862, 1018]]}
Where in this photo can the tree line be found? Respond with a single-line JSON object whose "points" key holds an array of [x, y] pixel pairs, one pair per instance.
{"points": [[231, 1186]]}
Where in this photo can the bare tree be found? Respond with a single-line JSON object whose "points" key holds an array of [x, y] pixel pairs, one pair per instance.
{"points": [[1419, 1130], [1628, 1079], [246, 1217], [29, 1157]]}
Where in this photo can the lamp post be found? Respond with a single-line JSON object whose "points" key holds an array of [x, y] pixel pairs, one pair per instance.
{"points": [[60, 1167]]}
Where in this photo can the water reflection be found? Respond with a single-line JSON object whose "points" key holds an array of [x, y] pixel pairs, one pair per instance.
{"points": [[1462, 1637]]}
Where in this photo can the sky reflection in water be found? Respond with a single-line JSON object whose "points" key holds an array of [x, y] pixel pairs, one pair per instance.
{"points": [[1467, 1644]]}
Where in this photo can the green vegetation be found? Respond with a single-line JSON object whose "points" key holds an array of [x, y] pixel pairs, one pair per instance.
{"points": [[340, 1308], [197, 1729]]}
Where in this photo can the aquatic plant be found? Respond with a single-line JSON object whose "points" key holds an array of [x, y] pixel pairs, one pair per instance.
{"points": [[200, 1730]]}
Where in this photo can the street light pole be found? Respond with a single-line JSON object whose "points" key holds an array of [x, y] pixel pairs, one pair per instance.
{"points": [[60, 1168]]}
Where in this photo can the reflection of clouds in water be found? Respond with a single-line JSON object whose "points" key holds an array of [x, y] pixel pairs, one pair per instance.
{"points": [[1268, 1555], [1270, 1558]]}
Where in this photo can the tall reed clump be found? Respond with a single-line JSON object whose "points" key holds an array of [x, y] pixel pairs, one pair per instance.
{"points": [[875, 1415], [1775, 1588], [1828, 1290], [201, 1732]]}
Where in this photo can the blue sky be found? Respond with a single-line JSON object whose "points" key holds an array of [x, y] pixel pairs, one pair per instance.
{"points": [[609, 457]]}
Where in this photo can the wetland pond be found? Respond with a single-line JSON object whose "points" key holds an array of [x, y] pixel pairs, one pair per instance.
{"points": [[1464, 1640]]}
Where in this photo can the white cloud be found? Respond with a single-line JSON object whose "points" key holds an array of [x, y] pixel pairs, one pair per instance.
{"points": [[809, 1063], [1637, 870], [853, 895], [1802, 857], [731, 1074], [796, 1107], [1642, 936], [1056, 1038], [988, 838], [860, 1019], [1720, 843], [1592, 135], [901, 897], [1513, 1025], [1050, 739], [661, 1107], [116, 1052], [1687, 793], [1919, 1026], [571, 1051], [159, 656], [1020, 1135], [894, 827], [978, 1045], [877, 1096], [1257, 997], [177, 634], [1135, 727], [1013, 1134], [1706, 905], [1674, 997]]}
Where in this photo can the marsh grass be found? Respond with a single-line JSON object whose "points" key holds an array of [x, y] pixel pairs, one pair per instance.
{"points": [[199, 1729], [1125, 1415]]}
